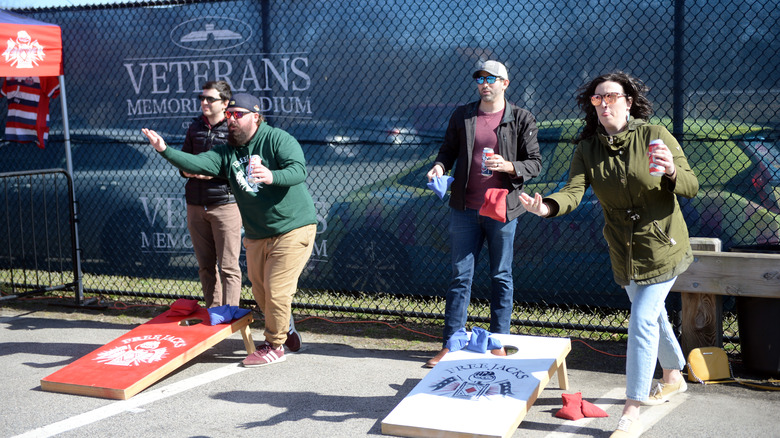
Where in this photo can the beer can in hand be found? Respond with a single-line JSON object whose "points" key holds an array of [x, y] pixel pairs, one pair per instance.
{"points": [[486, 153], [655, 168], [254, 161]]}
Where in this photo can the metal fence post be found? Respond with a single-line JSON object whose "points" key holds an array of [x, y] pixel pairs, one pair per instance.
{"points": [[678, 87]]}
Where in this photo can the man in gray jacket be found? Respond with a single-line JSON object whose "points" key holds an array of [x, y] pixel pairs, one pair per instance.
{"points": [[510, 131]]}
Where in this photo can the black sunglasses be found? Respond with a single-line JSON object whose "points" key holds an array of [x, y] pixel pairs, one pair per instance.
{"points": [[208, 99]]}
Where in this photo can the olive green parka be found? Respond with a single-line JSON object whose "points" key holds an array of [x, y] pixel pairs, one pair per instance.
{"points": [[644, 226]]}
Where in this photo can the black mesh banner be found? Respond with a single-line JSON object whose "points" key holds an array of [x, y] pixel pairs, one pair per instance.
{"points": [[367, 88]]}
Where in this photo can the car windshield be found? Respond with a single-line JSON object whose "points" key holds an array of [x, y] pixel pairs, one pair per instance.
{"points": [[769, 135], [771, 152], [430, 119], [309, 130], [105, 154], [770, 144]]}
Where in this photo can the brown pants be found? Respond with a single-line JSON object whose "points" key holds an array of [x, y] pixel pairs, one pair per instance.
{"points": [[215, 231], [274, 266]]}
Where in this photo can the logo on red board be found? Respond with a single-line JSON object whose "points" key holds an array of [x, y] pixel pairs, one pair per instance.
{"points": [[24, 52], [140, 350]]}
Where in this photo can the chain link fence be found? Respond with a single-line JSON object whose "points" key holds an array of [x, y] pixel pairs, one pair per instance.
{"points": [[367, 88]]}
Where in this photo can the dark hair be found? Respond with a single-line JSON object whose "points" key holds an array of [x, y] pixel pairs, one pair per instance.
{"points": [[641, 108], [222, 87]]}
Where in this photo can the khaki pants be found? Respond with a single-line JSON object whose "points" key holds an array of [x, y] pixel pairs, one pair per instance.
{"points": [[215, 231], [274, 266]]}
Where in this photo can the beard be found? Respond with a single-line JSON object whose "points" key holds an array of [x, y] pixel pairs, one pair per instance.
{"points": [[489, 97], [238, 137]]}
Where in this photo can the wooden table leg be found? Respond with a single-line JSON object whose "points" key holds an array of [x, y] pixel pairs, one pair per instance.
{"points": [[563, 376], [249, 343]]}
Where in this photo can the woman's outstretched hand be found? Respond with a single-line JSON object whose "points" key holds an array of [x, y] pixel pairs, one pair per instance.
{"points": [[534, 205]]}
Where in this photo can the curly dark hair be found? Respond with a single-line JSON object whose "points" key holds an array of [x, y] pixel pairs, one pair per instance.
{"points": [[641, 107]]}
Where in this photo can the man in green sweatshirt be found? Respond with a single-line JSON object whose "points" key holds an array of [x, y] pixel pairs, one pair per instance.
{"points": [[276, 209]]}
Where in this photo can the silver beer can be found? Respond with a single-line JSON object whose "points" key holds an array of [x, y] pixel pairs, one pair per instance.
{"points": [[486, 153], [254, 161]]}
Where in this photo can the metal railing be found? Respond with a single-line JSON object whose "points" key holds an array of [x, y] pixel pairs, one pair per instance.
{"points": [[40, 251]]}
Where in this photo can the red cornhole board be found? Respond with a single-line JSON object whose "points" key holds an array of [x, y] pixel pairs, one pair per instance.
{"points": [[132, 362], [470, 394]]}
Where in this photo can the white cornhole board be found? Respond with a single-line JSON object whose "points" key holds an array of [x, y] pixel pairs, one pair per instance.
{"points": [[470, 394]]}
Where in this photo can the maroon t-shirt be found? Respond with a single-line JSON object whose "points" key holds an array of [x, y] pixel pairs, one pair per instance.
{"points": [[485, 137]]}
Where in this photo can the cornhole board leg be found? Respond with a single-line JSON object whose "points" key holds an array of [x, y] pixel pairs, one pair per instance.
{"points": [[479, 394], [563, 375], [144, 355], [246, 334]]}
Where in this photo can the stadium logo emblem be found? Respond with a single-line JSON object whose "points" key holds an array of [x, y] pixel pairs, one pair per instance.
{"points": [[24, 52], [208, 34]]}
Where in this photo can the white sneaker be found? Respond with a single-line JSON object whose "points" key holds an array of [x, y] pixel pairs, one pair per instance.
{"points": [[662, 392], [627, 428]]}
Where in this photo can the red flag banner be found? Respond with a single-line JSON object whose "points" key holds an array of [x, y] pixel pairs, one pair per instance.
{"points": [[29, 47]]}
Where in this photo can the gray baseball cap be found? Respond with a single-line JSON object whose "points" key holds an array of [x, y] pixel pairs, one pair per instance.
{"points": [[495, 68]]}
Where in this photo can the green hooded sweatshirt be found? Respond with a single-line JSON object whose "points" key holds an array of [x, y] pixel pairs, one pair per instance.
{"points": [[266, 210]]}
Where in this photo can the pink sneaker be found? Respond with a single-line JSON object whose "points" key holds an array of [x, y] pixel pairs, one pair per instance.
{"points": [[265, 355]]}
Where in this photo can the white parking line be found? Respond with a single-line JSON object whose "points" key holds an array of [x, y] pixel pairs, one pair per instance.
{"points": [[132, 405], [656, 413], [649, 417]]}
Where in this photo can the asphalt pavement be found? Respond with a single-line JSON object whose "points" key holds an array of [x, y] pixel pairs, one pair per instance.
{"points": [[338, 385]]}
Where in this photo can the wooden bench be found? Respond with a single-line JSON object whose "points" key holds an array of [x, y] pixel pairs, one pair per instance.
{"points": [[715, 274]]}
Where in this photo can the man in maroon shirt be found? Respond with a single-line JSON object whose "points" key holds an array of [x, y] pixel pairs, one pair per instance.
{"points": [[491, 122]]}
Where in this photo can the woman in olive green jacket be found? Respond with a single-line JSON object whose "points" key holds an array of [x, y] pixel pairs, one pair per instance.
{"points": [[644, 226]]}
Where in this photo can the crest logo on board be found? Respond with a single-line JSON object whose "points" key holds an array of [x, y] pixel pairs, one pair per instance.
{"points": [[24, 52], [474, 380], [140, 350], [475, 386]]}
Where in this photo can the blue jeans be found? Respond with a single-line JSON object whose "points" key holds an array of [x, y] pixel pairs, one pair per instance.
{"points": [[468, 232], [650, 338]]}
